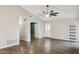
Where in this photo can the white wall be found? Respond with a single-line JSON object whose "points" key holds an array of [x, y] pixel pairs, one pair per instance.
{"points": [[60, 28], [9, 25], [22, 27]]}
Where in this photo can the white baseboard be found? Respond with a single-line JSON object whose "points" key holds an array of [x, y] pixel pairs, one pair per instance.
{"points": [[64, 39], [9, 45]]}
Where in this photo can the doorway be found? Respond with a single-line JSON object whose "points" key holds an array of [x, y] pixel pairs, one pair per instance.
{"points": [[32, 30]]}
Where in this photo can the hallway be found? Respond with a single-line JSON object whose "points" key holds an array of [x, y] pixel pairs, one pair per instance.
{"points": [[43, 46]]}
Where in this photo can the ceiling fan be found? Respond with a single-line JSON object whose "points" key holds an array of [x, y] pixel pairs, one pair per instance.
{"points": [[49, 13]]}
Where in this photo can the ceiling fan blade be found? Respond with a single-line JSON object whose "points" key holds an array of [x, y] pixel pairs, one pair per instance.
{"points": [[55, 13], [51, 11], [40, 14], [44, 12]]}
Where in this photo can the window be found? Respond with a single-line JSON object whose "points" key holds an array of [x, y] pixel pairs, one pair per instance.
{"points": [[47, 27]]}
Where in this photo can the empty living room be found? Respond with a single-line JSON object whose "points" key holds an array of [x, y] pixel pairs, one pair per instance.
{"points": [[39, 29]]}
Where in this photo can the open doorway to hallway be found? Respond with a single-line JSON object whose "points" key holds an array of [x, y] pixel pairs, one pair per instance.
{"points": [[33, 30]]}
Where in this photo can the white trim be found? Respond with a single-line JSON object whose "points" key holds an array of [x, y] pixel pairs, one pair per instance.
{"points": [[9, 45], [26, 40], [64, 39]]}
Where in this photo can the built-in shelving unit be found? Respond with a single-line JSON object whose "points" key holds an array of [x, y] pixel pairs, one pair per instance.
{"points": [[72, 32]]}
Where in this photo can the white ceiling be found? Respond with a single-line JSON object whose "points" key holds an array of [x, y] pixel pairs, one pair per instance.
{"points": [[65, 11]]}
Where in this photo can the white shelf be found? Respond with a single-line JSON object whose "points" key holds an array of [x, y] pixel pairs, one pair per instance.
{"points": [[72, 32]]}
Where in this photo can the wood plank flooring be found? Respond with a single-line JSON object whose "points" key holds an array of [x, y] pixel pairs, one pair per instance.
{"points": [[43, 46]]}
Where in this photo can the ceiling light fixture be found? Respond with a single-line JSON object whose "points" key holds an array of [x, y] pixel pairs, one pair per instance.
{"points": [[49, 13]]}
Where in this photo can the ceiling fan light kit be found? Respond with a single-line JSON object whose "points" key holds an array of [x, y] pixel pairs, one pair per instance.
{"points": [[47, 15]]}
